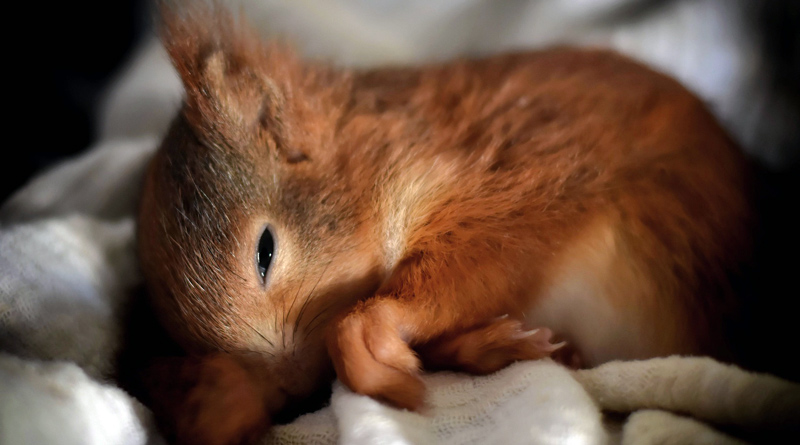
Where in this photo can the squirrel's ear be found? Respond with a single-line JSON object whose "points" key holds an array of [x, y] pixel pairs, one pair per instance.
{"points": [[224, 69]]}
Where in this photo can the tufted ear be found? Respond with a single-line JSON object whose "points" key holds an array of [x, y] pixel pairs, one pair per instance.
{"points": [[236, 86]]}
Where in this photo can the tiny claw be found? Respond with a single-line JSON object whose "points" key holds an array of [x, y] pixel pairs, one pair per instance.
{"points": [[542, 337], [490, 347], [526, 334]]}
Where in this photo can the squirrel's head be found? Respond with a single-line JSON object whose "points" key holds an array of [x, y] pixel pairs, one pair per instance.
{"points": [[253, 231]]}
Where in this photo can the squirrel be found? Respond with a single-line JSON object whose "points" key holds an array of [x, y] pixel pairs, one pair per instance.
{"points": [[302, 220]]}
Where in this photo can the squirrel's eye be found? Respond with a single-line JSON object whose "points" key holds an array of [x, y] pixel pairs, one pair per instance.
{"points": [[265, 253]]}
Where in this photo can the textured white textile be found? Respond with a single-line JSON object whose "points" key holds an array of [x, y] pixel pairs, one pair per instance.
{"points": [[62, 285], [57, 403], [67, 259], [541, 402], [696, 386]]}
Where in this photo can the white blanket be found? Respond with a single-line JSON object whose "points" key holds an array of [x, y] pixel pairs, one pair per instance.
{"points": [[67, 260]]}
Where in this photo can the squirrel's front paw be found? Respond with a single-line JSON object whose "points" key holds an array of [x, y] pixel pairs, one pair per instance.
{"points": [[371, 358], [210, 400]]}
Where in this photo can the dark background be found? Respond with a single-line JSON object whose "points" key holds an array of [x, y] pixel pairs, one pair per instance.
{"points": [[62, 56]]}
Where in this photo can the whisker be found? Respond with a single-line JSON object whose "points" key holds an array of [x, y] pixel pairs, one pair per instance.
{"points": [[218, 304], [308, 297], [259, 334], [310, 329], [275, 321], [300, 315], [242, 319], [294, 300]]}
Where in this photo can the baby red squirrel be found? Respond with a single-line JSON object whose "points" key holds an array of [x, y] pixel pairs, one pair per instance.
{"points": [[301, 219]]}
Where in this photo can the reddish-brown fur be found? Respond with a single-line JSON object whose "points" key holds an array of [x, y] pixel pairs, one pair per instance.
{"points": [[430, 209]]}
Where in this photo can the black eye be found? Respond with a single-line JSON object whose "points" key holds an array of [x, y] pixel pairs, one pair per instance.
{"points": [[265, 252]]}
